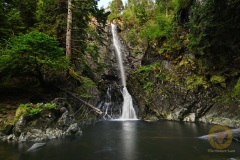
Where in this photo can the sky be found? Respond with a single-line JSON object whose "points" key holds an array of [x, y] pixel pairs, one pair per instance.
{"points": [[105, 3]]}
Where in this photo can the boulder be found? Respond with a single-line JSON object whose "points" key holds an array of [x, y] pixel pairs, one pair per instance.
{"points": [[190, 117], [52, 133], [11, 137], [73, 130], [19, 126]]}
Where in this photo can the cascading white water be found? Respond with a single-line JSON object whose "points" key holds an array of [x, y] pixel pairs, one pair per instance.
{"points": [[128, 111], [119, 53]]}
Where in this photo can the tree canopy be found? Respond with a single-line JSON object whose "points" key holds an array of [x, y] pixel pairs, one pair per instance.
{"points": [[34, 55]]}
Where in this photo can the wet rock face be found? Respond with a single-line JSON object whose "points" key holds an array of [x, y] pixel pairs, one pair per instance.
{"points": [[224, 114], [171, 102], [111, 103]]}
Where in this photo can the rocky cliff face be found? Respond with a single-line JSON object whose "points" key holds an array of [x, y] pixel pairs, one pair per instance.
{"points": [[169, 101], [165, 91]]}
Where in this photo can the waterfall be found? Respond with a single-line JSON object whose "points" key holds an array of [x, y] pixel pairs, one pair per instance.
{"points": [[128, 111], [108, 103], [117, 45]]}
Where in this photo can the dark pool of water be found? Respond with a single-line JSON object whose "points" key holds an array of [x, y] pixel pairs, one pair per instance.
{"points": [[126, 140]]}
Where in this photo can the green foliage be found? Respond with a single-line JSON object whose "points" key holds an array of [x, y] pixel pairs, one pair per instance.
{"points": [[147, 75], [214, 28], [92, 49], [54, 25], [217, 79], [195, 81], [186, 62], [162, 76], [148, 68], [146, 22], [34, 54], [116, 7], [148, 86], [161, 28], [87, 87], [141, 12], [17, 17], [236, 90], [129, 18], [49, 106], [30, 110], [131, 37], [21, 110], [11, 20], [181, 4]]}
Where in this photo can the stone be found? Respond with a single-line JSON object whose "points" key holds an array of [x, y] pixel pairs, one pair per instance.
{"points": [[63, 109], [151, 119], [190, 117], [11, 137], [167, 66], [53, 133], [22, 138], [35, 146], [19, 126], [73, 130], [64, 120]]}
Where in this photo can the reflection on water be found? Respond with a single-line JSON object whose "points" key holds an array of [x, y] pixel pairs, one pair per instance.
{"points": [[126, 140]]}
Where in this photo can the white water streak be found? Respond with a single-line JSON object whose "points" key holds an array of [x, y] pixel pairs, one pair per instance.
{"points": [[119, 54]]}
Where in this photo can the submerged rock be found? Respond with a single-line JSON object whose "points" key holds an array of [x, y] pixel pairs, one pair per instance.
{"points": [[35, 146], [235, 134], [151, 119]]}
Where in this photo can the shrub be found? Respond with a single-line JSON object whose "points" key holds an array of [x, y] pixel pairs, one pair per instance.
{"points": [[30, 110]]}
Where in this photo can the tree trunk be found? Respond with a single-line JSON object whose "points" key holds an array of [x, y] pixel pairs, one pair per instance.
{"points": [[69, 31]]}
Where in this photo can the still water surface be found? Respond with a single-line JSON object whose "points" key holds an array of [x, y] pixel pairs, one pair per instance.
{"points": [[126, 140]]}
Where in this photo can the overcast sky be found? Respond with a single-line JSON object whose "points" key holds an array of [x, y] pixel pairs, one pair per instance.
{"points": [[104, 3]]}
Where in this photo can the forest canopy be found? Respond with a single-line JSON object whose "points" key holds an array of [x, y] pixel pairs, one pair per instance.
{"points": [[33, 36]]}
